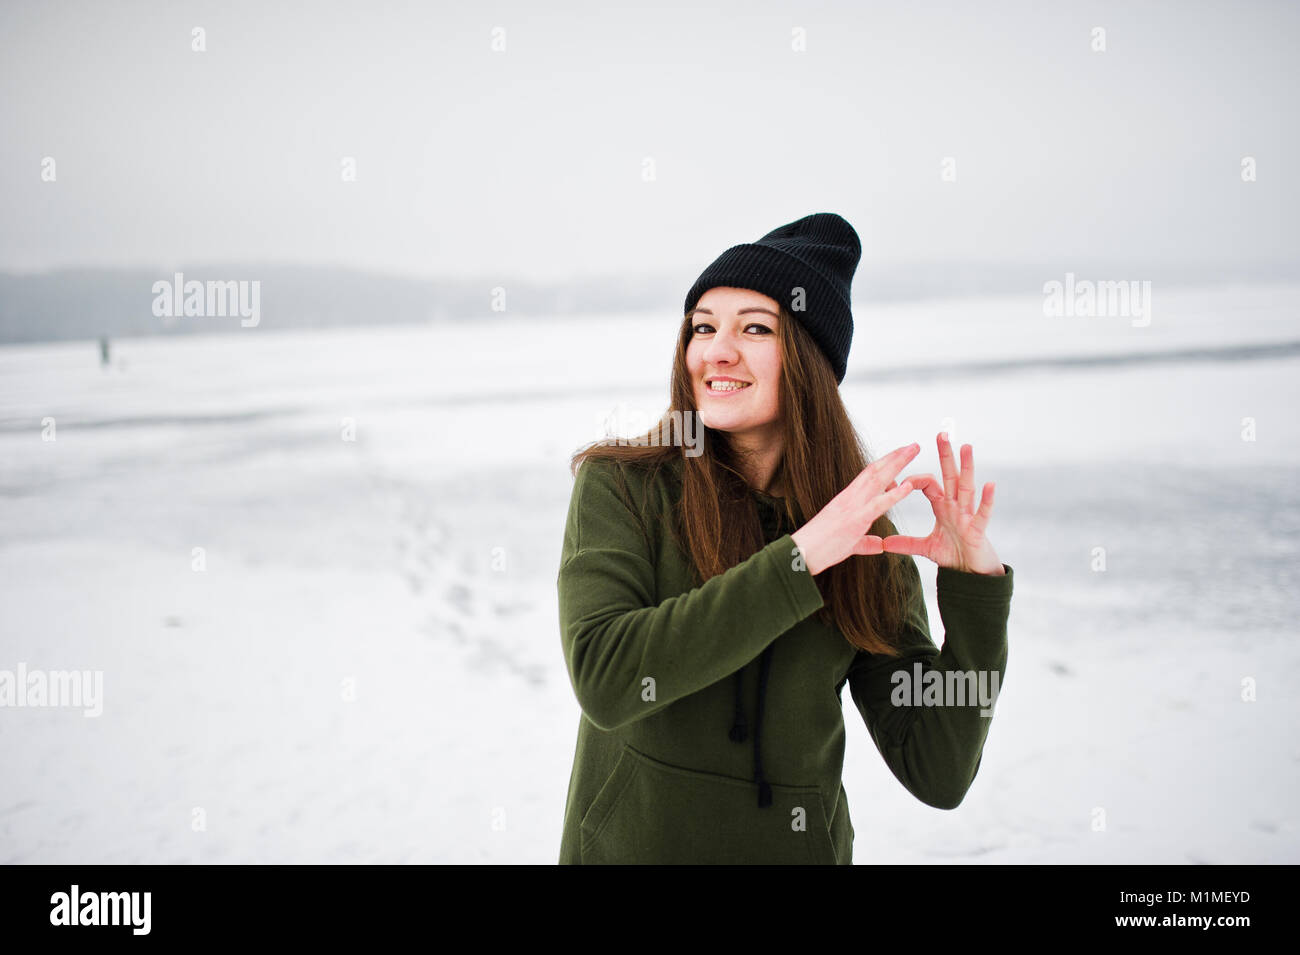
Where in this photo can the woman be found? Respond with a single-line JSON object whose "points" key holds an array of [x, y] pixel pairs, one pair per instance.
{"points": [[709, 629]]}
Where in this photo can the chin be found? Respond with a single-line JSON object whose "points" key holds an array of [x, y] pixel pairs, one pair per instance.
{"points": [[713, 421], [724, 423]]}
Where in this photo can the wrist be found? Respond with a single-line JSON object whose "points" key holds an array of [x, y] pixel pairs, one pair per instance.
{"points": [[814, 568], [985, 561]]}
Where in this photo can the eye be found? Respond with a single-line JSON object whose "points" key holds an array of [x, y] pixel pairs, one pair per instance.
{"points": [[763, 329]]}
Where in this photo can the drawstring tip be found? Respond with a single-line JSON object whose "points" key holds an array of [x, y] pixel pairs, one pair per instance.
{"points": [[764, 795]]}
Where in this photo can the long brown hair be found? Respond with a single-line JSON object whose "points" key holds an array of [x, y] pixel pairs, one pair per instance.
{"points": [[865, 596]]}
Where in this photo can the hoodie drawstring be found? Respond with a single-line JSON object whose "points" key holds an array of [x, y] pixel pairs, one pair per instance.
{"points": [[737, 734], [738, 729], [764, 790]]}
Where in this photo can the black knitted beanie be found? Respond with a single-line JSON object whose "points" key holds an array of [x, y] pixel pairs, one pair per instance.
{"points": [[818, 254]]}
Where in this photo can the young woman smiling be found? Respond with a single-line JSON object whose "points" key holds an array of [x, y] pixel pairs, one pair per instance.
{"points": [[713, 607]]}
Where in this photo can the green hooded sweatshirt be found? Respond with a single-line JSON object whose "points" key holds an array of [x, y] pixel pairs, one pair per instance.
{"points": [[712, 725]]}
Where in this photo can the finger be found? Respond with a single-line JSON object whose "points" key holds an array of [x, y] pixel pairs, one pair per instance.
{"points": [[966, 481], [905, 449], [885, 500], [928, 485], [887, 468], [869, 544], [947, 466], [981, 519], [869, 480], [896, 459], [900, 544]]}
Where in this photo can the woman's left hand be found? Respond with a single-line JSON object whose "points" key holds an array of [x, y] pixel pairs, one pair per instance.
{"points": [[957, 540]]}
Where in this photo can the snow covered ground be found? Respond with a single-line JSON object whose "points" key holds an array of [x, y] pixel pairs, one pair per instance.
{"points": [[369, 669]]}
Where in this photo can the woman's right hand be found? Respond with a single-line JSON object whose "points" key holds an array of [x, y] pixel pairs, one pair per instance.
{"points": [[839, 530]]}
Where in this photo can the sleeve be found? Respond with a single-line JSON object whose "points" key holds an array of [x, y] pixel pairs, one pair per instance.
{"points": [[934, 749], [615, 636]]}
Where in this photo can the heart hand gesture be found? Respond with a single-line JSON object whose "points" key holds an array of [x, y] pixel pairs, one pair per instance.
{"points": [[842, 528], [957, 540]]}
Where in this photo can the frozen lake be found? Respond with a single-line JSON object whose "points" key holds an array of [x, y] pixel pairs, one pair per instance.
{"points": [[368, 667]]}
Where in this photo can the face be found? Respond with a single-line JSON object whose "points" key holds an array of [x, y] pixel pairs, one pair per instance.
{"points": [[736, 339]]}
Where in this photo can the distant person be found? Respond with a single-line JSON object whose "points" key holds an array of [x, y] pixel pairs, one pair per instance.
{"points": [[709, 628], [103, 349]]}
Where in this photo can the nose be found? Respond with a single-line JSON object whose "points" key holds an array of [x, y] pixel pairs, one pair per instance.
{"points": [[721, 349]]}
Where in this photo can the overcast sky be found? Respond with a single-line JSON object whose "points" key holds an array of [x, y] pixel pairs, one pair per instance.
{"points": [[530, 162]]}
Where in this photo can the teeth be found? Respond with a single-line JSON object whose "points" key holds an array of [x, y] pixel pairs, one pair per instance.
{"points": [[728, 385]]}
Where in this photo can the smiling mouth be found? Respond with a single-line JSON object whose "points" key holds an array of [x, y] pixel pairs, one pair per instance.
{"points": [[725, 387]]}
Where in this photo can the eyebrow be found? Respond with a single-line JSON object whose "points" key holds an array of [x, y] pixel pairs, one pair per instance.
{"points": [[743, 311]]}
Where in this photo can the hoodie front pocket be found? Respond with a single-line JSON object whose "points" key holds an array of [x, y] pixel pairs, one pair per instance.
{"points": [[652, 812]]}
